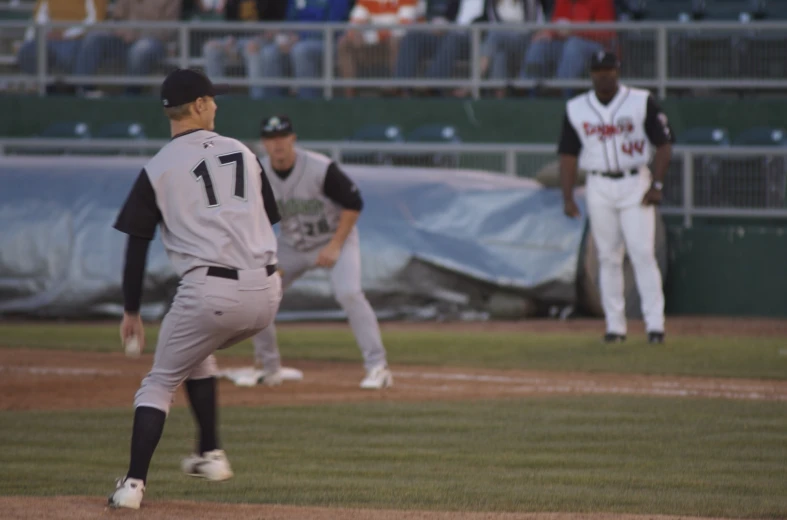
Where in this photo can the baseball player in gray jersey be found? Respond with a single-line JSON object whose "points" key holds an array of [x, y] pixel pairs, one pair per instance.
{"points": [[214, 204], [319, 205]]}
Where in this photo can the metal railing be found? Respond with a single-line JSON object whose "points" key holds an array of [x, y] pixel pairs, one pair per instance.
{"points": [[703, 181], [658, 56]]}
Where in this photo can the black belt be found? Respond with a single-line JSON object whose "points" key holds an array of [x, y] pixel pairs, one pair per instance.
{"points": [[615, 175], [232, 274]]}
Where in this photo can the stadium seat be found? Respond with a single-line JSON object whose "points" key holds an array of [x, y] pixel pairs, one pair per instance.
{"points": [[432, 133], [761, 136], [751, 181], [374, 133], [67, 130], [121, 130], [704, 135]]}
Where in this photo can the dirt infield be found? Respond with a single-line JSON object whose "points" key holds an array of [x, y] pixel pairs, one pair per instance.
{"points": [[34, 379]]}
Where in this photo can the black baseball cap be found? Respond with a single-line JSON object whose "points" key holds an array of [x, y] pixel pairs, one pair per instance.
{"points": [[604, 60], [276, 126], [183, 86]]}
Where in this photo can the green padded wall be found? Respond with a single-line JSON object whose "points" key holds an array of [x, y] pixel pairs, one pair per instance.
{"points": [[727, 270], [503, 121]]}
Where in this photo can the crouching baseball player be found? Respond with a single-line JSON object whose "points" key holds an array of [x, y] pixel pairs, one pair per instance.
{"points": [[212, 200], [319, 206], [612, 132]]}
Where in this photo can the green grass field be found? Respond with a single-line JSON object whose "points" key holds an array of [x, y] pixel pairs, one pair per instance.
{"points": [[685, 355], [646, 455]]}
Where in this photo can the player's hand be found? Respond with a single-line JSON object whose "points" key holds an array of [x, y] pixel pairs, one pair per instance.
{"points": [[329, 255], [132, 326], [570, 208], [652, 197]]}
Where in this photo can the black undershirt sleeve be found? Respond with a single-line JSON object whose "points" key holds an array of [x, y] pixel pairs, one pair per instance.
{"points": [[268, 199], [134, 272], [657, 127], [340, 189], [570, 143], [138, 218]]}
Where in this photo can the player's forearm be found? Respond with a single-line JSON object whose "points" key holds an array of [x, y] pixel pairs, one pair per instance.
{"points": [[347, 220], [568, 175], [134, 273], [661, 162]]}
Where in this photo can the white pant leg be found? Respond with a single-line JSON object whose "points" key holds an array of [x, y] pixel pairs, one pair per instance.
{"points": [[346, 282], [606, 231], [293, 264], [639, 230]]}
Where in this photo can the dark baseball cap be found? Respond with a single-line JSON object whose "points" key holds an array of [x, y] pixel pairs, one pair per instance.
{"points": [[276, 126], [604, 60], [183, 86]]}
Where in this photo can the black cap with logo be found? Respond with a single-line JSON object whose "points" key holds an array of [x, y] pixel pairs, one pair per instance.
{"points": [[276, 126], [604, 60], [183, 86]]}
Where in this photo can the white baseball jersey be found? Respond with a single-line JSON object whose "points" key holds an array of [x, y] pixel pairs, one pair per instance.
{"points": [[309, 218], [613, 136], [207, 192]]}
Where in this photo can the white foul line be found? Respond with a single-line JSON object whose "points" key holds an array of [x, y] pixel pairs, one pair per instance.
{"points": [[60, 371]]}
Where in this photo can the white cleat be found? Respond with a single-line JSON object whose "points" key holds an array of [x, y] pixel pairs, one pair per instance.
{"points": [[377, 378], [251, 376], [128, 494], [211, 465]]}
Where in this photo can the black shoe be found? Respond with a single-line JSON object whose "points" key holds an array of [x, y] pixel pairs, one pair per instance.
{"points": [[610, 337], [655, 337]]}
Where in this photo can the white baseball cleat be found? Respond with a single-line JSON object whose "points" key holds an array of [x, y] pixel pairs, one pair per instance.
{"points": [[377, 378], [251, 376], [211, 465], [128, 493]]}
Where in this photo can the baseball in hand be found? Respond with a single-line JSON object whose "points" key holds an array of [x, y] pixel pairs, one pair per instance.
{"points": [[132, 347]]}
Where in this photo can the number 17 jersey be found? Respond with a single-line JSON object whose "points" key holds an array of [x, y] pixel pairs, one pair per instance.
{"points": [[212, 200]]}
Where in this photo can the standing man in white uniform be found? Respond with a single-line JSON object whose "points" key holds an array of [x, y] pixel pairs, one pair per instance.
{"points": [[612, 132], [215, 207], [319, 206]]}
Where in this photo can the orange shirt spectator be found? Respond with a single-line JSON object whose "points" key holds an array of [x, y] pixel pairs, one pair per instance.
{"points": [[584, 11], [383, 12]]}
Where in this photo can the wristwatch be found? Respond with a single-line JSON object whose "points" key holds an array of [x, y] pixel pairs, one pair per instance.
{"points": [[657, 185]]}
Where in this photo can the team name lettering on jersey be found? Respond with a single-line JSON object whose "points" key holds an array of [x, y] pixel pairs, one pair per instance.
{"points": [[623, 126], [292, 207]]}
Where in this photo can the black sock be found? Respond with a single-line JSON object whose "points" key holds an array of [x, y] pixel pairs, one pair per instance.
{"points": [[202, 398], [148, 427]]}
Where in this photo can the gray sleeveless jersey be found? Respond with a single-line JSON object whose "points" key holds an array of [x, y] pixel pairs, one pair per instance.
{"points": [[309, 219], [209, 191]]}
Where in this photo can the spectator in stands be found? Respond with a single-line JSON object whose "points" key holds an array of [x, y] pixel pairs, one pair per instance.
{"points": [[448, 47], [570, 50], [504, 47], [143, 49], [417, 46], [62, 44], [221, 53], [305, 48], [373, 47]]}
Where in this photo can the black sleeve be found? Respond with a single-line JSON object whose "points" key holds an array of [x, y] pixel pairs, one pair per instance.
{"points": [[340, 189], [569, 140], [140, 214], [268, 199], [134, 272], [656, 125]]}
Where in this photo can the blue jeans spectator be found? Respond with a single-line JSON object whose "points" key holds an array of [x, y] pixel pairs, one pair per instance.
{"points": [[219, 54], [572, 56], [60, 54], [141, 55], [307, 63], [500, 48], [445, 49], [306, 56]]}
